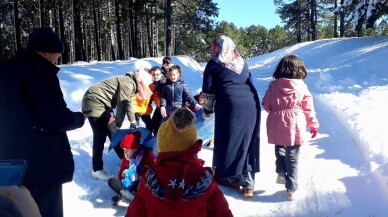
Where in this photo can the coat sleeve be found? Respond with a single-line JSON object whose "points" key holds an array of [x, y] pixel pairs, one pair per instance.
{"points": [[124, 164], [125, 104], [267, 99], [309, 111], [153, 96], [217, 204], [208, 89], [163, 96], [47, 100], [188, 97]]}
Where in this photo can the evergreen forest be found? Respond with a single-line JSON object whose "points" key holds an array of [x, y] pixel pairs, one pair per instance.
{"points": [[96, 30]]}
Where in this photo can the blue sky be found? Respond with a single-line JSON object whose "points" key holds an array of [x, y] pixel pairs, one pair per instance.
{"points": [[244, 13]]}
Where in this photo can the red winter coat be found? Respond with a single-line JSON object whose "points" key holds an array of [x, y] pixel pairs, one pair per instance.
{"points": [[290, 106], [179, 186]]}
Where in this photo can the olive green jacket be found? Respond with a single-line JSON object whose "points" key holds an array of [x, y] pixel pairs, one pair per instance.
{"points": [[108, 94]]}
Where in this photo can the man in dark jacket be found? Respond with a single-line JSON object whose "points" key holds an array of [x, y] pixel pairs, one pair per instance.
{"points": [[34, 119]]}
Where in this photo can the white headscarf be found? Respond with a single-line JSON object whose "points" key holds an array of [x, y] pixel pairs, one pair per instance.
{"points": [[225, 53]]}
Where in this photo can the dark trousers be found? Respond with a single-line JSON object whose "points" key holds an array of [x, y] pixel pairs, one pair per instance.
{"points": [[49, 200], [147, 121], [100, 131], [157, 120], [287, 158]]}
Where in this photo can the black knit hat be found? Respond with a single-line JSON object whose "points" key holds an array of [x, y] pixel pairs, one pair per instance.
{"points": [[45, 40]]}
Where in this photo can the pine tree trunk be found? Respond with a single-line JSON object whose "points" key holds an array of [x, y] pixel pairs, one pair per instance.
{"points": [[167, 29], [65, 55], [149, 32], [299, 25], [44, 16], [335, 21], [132, 41], [85, 42], [96, 31], [77, 31], [313, 20], [156, 35], [342, 21], [18, 42], [118, 31]]}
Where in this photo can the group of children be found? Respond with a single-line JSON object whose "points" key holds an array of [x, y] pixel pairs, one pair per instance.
{"points": [[169, 92], [177, 177]]}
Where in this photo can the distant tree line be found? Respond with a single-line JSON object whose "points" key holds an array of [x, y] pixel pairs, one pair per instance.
{"points": [[315, 19], [119, 29]]}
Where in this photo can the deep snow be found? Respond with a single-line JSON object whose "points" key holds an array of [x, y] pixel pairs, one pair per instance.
{"points": [[343, 172]]}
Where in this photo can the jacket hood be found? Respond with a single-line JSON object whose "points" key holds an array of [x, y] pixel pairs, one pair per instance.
{"points": [[135, 77], [289, 86], [179, 175]]}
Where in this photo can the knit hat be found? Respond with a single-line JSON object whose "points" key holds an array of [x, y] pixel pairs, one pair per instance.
{"points": [[45, 40], [178, 133], [131, 140]]}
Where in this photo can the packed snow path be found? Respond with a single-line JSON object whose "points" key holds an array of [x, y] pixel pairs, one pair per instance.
{"points": [[330, 170], [330, 173]]}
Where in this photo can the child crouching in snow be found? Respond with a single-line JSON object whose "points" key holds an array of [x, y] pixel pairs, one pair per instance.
{"points": [[179, 184], [290, 106], [136, 160]]}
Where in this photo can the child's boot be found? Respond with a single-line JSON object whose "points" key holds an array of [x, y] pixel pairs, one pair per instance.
{"points": [[290, 195]]}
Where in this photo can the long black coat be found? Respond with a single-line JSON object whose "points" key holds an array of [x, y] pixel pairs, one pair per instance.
{"points": [[237, 120], [34, 119]]}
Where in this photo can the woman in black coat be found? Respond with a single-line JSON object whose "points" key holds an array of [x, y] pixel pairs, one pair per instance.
{"points": [[227, 87], [34, 120]]}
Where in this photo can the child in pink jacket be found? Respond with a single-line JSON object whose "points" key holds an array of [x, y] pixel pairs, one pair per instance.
{"points": [[290, 106]]}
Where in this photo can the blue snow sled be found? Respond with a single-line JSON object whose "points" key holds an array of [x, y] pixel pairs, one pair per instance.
{"points": [[205, 128]]}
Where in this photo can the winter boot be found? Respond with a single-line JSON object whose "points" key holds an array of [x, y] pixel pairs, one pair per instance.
{"points": [[290, 195]]}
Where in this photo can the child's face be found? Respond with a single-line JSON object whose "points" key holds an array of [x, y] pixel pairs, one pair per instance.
{"points": [[156, 75], [173, 75], [129, 152], [167, 65]]}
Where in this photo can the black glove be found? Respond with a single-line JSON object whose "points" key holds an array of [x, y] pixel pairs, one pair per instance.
{"points": [[132, 126]]}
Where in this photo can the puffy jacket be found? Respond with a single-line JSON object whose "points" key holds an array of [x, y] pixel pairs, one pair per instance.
{"points": [[175, 95], [290, 106]]}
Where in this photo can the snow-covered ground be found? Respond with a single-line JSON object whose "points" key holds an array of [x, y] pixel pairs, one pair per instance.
{"points": [[343, 171]]}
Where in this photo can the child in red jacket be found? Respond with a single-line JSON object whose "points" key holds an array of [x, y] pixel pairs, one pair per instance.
{"points": [[179, 185], [136, 160]]}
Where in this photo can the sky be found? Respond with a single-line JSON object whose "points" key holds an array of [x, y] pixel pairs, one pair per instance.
{"points": [[343, 172], [244, 13]]}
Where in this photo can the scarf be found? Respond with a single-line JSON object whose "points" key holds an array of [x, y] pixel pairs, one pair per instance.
{"points": [[224, 52]]}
